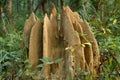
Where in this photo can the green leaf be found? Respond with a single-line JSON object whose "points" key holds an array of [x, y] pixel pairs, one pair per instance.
{"points": [[58, 60], [0, 67], [8, 63], [118, 58], [112, 65], [113, 78], [70, 48], [50, 62], [40, 66], [1, 39], [87, 44], [46, 59], [84, 73]]}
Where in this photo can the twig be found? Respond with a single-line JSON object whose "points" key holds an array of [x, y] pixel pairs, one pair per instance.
{"points": [[3, 21]]}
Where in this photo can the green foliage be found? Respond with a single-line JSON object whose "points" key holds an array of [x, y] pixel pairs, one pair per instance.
{"points": [[10, 54], [48, 61]]}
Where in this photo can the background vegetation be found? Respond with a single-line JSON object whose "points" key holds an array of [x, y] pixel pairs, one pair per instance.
{"points": [[102, 15]]}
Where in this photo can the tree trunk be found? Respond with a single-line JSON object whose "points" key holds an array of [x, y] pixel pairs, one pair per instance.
{"points": [[9, 8], [29, 6], [18, 6]]}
